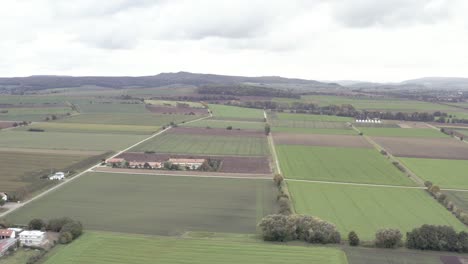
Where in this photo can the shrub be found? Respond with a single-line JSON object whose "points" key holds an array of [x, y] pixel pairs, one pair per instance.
{"points": [[353, 239], [56, 224], [229, 128], [428, 184], [36, 224], [274, 228], [430, 237], [441, 198], [434, 189], [278, 179], [383, 152], [65, 238], [285, 207], [388, 238], [75, 228]]}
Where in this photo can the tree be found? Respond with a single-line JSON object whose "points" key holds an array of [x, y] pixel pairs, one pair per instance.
{"points": [[434, 189], [65, 237], [430, 237], [353, 239], [75, 228], [278, 179], [388, 238], [56, 224], [428, 184], [229, 128], [275, 228], [36, 224], [267, 129]]}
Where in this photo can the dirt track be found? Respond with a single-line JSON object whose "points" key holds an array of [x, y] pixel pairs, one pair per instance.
{"points": [[321, 140], [436, 148]]}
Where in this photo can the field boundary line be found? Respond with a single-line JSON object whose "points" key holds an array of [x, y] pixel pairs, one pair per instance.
{"points": [[358, 184], [184, 175], [453, 136], [271, 143]]}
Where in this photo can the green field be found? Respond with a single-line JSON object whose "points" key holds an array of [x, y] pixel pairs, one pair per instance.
{"points": [[339, 165], [210, 145], [112, 108], [304, 130], [310, 117], [23, 170], [92, 128], [309, 124], [32, 114], [367, 209], [75, 141], [459, 198], [227, 112], [225, 123], [173, 103], [402, 132], [103, 248], [158, 205], [452, 174], [145, 119], [360, 255]]}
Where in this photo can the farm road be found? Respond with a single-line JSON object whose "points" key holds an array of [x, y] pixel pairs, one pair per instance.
{"points": [[15, 206]]}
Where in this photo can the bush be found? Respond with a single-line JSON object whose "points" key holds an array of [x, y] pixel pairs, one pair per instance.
{"points": [[441, 198], [275, 228], [36, 224], [229, 128], [75, 228], [285, 207], [430, 237], [56, 224], [353, 239], [434, 189], [65, 238], [428, 184], [383, 152], [388, 238], [278, 179]]}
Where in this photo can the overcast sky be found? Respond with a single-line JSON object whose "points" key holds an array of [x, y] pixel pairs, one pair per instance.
{"points": [[375, 40]]}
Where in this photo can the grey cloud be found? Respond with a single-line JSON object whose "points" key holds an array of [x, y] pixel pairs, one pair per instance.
{"points": [[367, 13]]}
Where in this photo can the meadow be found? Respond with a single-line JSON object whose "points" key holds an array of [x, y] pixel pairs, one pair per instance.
{"points": [[368, 209], [111, 107], [135, 119], [103, 248], [173, 103], [32, 113], [357, 165], [206, 144], [225, 123], [91, 128], [227, 112], [305, 130], [402, 132], [309, 124], [157, 205], [445, 173], [72, 141], [23, 170], [460, 199]]}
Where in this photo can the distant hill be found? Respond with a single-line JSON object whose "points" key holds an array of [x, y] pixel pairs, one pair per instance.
{"points": [[39, 82], [441, 82]]}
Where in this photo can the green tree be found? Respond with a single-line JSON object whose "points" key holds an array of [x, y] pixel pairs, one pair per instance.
{"points": [[267, 129], [388, 238], [36, 224], [353, 239], [65, 237]]}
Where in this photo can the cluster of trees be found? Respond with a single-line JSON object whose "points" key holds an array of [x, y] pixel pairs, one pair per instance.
{"points": [[298, 227], [246, 90], [36, 130], [284, 198], [434, 190], [68, 228], [416, 116], [210, 165], [23, 123], [440, 238]]}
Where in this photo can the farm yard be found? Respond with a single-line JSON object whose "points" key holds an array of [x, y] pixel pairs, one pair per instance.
{"points": [[113, 248], [357, 165], [134, 203], [367, 209], [208, 142], [433, 148]]}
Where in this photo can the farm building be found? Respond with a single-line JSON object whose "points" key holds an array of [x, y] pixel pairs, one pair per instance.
{"points": [[144, 165], [57, 176], [7, 233], [5, 244], [375, 121], [32, 238], [189, 163], [114, 161], [3, 196]]}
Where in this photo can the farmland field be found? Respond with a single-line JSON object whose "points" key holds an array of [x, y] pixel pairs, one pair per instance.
{"points": [[321, 140], [225, 123], [367, 209], [111, 108], [442, 172], [394, 256], [227, 144], [74, 141], [310, 117], [226, 112], [309, 124], [304, 130], [158, 205], [22, 170], [91, 128], [459, 198], [102, 248], [339, 165], [436, 148], [146, 119], [33, 113], [173, 103], [402, 132]]}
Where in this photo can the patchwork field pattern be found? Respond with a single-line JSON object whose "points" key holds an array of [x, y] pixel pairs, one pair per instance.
{"points": [[208, 142], [436, 148], [106, 248], [72, 141], [321, 140], [367, 209], [452, 174], [338, 165], [157, 205]]}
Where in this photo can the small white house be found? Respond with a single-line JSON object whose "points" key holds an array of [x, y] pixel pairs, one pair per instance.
{"points": [[57, 176], [32, 238], [192, 164], [3, 196], [6, 233]]}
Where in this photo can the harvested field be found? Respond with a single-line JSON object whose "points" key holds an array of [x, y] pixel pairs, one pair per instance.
{"points": [[216, 132], [91, 128], [157, 205], [230, 164], [176, 110], [107, 248], [6, 124], [435, 148], [326, 131], [361, 255], [321, 140]]}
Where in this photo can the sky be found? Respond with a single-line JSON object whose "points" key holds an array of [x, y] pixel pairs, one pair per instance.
{"points": [[371, 40]]}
